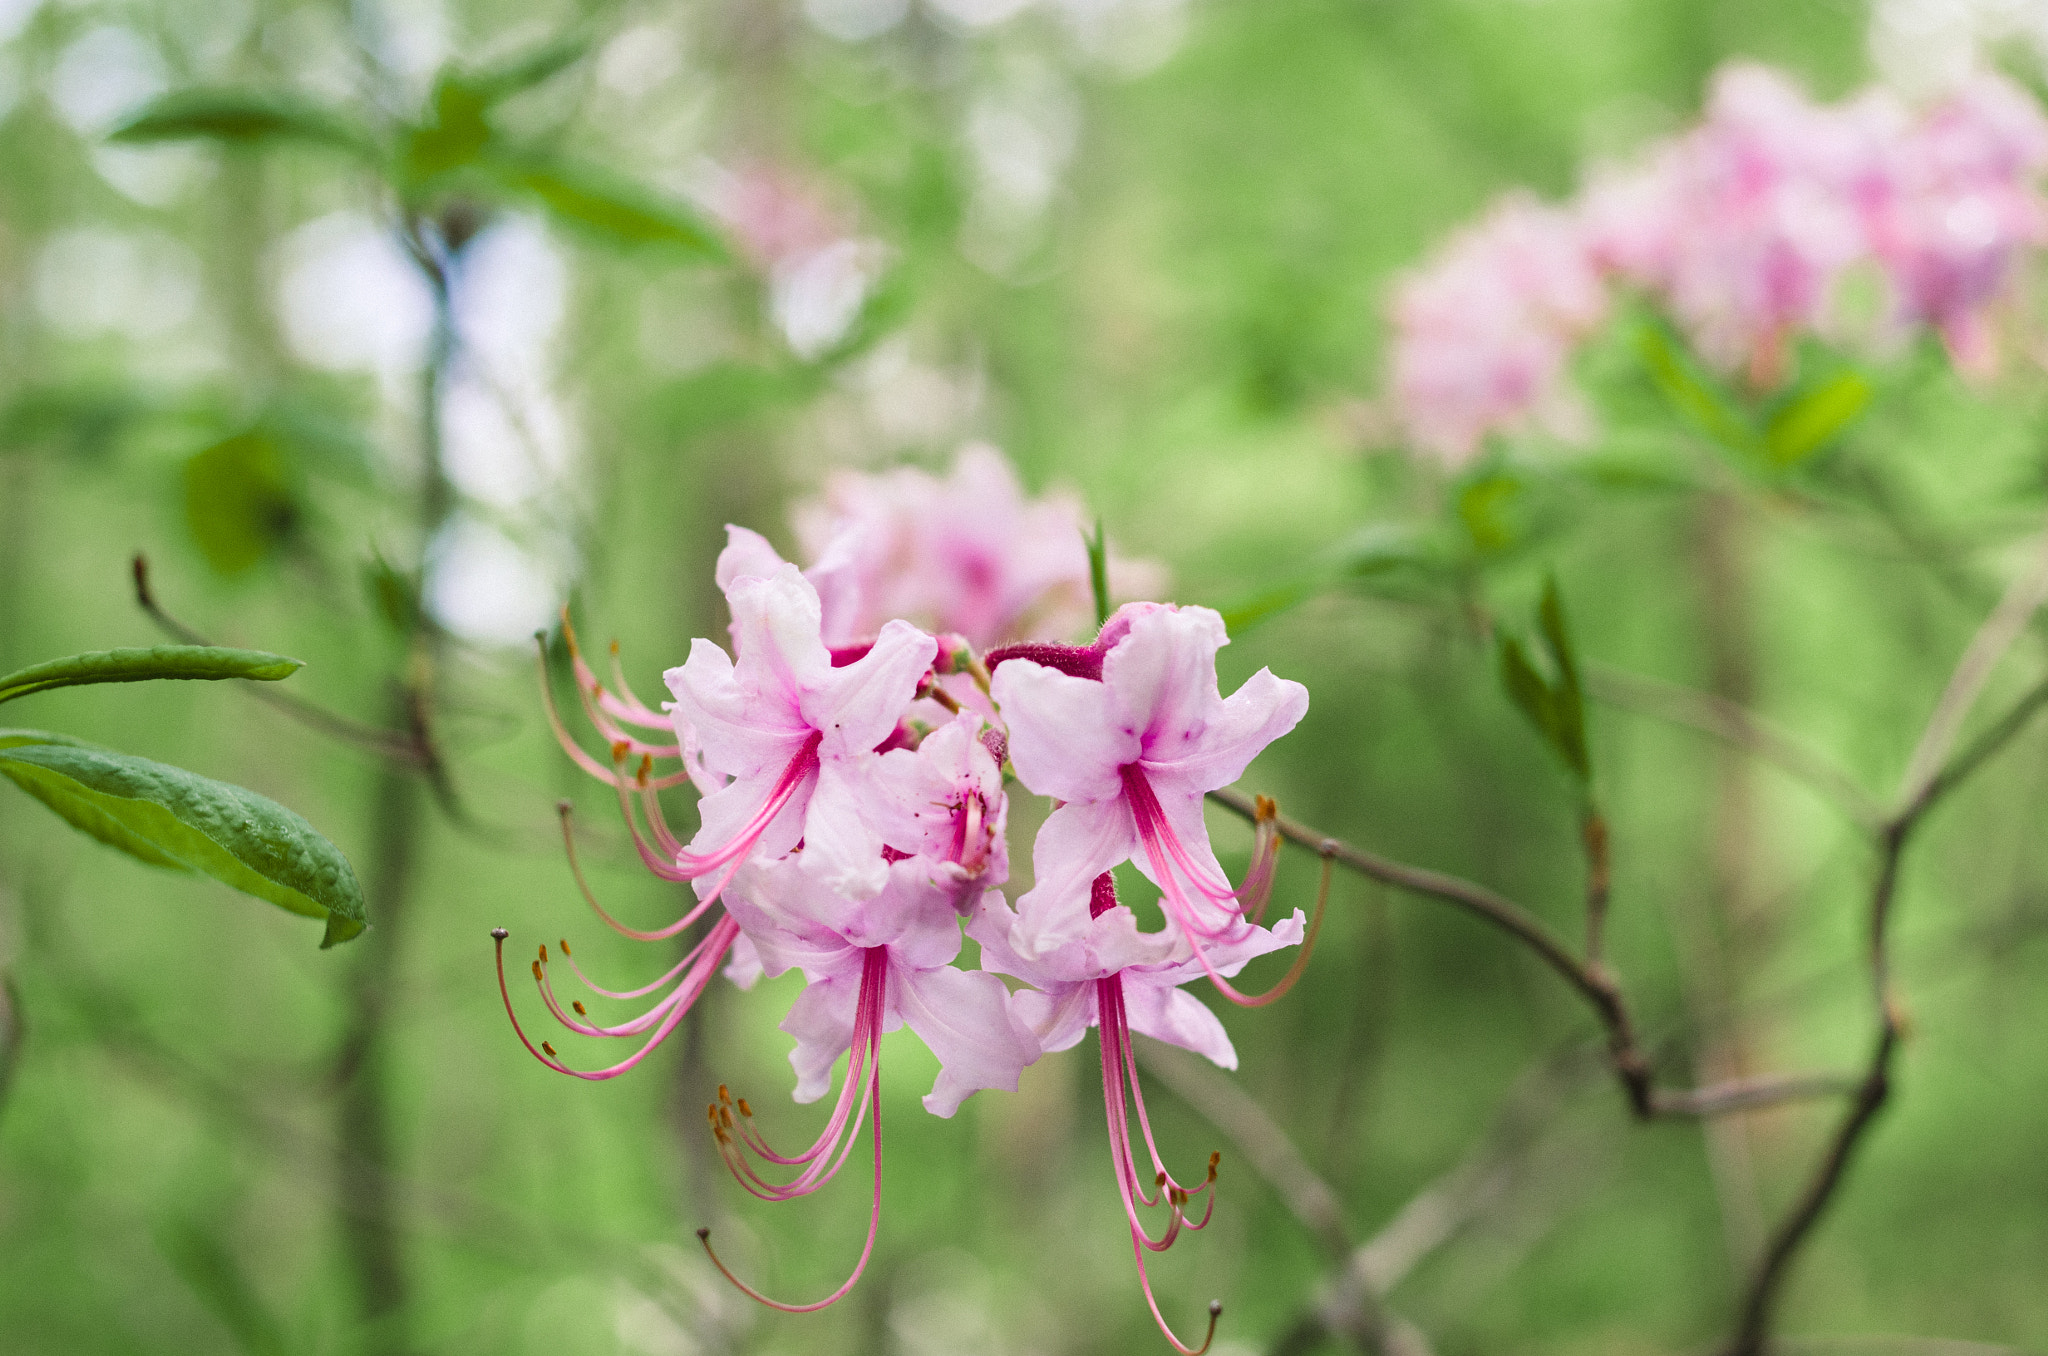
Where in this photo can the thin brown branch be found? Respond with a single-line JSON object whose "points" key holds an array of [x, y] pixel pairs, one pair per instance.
{"points": [[401, 746], [1766, 1285], [1730, 721], [1592, 980], [1599, 882], [1752, 1094], [2021, 600], [13, 1034]]}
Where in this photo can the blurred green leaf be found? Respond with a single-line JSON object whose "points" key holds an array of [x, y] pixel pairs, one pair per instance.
{"points": [[612, 208], [1693, 393], [394, 594], [168, 817], [205, 662], [528, 69], [1484, 506], [452, 138], [239, 501], [1814, 418], [82, 421], [245, 116], [1556, 708], [726, 393], [204, 1263]]}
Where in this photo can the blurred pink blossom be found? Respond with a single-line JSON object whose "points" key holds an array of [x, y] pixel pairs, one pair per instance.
{"points": [[968, 552], [1957, 204], [1484, 332]]}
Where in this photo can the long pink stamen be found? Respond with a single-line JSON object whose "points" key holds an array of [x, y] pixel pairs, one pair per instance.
{"points": [[863, 1088], [1119, 1069], [723, 934], [589, 897]]}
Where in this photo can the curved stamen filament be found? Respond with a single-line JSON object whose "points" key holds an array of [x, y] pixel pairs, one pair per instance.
{"points": [[562, 808], [1119, 1068], [862, 1089], [1182, 912], [595, 710], [723, 934]]}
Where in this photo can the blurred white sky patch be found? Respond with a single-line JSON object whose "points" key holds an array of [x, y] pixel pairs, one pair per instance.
{"points": [[507, 436], [1130, 36], [1021, 132], [640, 60], [855, 20], [95, 280], [816, 297], [978, 13], [155, 176], [351, 300], [1924, 46], [102, 75], [486, 588], [414, 37], [14, 16], [888, 401]]}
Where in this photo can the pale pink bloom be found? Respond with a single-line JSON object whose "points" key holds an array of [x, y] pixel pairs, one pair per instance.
{"points": [[1129, 734], [943, 804], [774, 215], [1744, 226], [792, 731], [968, 552], [1121, 980], [1483, 332], [871, 966], [1957, 203]]}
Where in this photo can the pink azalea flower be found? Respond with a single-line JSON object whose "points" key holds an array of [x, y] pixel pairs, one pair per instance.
{"points": [[944, 804], [793, 732], [1121, 980], [1129, 734], [871, 966], [1483, 333], [968, 553]]}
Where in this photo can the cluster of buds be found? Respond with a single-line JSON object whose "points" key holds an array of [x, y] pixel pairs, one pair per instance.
{"points": [[853, 812], [1744, 230]]}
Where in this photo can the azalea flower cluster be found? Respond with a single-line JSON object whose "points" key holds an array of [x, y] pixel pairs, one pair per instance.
{"points": [[853, 783], [1747, 231]]}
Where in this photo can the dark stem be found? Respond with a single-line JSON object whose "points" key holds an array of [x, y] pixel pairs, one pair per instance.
{"points": [[366, 1156], [1761, 1295], [1593, 983], [13, 1034], [1599, 881]]}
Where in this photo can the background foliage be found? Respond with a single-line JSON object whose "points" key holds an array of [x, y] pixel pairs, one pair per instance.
{"points": [[1144, 247]]}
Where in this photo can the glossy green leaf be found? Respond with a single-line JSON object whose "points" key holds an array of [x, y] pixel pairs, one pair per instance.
{"points": [[609, 207], [239, 502], [1814, 419], [529, 68], [243, 116], [203, 662], [168, 817]]}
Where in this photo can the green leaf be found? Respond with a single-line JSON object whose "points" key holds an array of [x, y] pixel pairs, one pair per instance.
{"points": [[1486, 508], [204, 662], [602, 204], [1694, 394], [531, 68], [239, 501], [1557, 709], [244, 116], [1568, 698], [1098, 570], [168, 817], [454, 136], [219, 1281], [1812, 420]]}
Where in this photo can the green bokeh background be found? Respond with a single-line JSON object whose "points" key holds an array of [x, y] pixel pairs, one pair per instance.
{"points": [[1187, 343]]}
